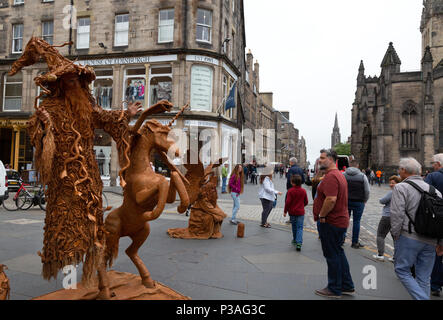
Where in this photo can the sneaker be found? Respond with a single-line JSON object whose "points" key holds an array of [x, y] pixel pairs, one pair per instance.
{"points": [[326, 293], [435, 293], [357, 245], [379, 258], [391, 259], [348, 292], [298, 248], [233, 222]]}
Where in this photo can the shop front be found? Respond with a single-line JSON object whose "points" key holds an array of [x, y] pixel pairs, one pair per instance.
{"points": [[16, 150]]}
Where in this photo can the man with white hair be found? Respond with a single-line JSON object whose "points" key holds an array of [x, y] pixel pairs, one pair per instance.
{"points": [[435, 179], [411, 248], [293, 170]]}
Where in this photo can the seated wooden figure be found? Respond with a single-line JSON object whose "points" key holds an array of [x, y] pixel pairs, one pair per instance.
{"points": [[206, 216]]}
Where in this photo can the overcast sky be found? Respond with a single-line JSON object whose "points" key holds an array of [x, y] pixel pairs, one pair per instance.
{"points": [[309, 53]]}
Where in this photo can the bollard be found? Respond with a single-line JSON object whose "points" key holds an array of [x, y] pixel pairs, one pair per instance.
{"points": [[240, 230]]}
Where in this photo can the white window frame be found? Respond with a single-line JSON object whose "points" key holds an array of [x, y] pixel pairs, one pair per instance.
{"points": [[48, 35], [204, 26], [121, 27], [5, 78], [48, 0], [19, 2], [157, 75], [103, 77], [126, 77], [166, 24], [15, 39], [81, 31]]}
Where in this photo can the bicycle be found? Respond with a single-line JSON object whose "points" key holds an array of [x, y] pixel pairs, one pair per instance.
{"points": [[24, 199]]}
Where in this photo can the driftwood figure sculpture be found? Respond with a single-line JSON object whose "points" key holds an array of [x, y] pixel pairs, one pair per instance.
{"points": [[206, 216], [146, 192], [4, 283], [62, 132]]}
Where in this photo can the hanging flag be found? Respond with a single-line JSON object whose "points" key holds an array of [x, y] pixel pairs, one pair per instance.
{"points": [[230, 101]]}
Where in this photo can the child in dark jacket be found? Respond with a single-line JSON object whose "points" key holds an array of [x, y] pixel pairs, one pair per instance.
{"points": [[296, 201]]}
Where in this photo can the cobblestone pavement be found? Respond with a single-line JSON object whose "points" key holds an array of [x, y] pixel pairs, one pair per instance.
{"points": [[250, 210]]}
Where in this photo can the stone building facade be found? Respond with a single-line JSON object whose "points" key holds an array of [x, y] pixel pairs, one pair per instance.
{"points": [[400, 114], [183, 51], [302, 154], [287, 138]]}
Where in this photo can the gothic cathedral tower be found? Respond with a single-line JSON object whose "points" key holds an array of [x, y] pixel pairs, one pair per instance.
{"points": [[335, 136], [431, 28]]}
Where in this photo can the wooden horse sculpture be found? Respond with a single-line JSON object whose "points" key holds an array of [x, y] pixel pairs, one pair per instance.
{"points": [[146, 192]]}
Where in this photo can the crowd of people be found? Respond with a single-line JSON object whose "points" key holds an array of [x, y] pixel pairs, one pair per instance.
{"points": [[340, 195]]}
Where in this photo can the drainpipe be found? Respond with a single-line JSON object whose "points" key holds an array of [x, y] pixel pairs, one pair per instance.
{"points": [[185, 23], [70, 28]]}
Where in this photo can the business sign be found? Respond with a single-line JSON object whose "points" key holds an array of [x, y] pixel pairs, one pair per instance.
{"points": [[127, 60], [201, 88], [205, 59], [198, 123]]}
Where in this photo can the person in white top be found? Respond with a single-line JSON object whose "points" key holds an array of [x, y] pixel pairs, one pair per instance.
{"points": [[267, 195]]}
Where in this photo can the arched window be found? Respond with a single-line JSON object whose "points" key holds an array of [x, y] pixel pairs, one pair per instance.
{"points": [[409, 127], [12, 92]]}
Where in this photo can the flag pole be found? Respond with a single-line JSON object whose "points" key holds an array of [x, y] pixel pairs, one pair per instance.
{"points": [[224, 99]]}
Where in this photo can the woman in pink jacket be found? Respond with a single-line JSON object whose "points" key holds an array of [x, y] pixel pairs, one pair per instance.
{"points": [[236, 182]]}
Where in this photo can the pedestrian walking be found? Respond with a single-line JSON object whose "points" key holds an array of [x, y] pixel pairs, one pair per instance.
{"points": [[384, 226], [267, 195], [245, 174], [372, 175], [331, 208], [236, 186], [254, 174], [224, 177], [435, 179], [295, 204], [293, 170], [358, 195], [412, 248], [378, 177]]}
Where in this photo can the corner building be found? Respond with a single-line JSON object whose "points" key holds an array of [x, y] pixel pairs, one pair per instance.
{"points": [[184, 51]]}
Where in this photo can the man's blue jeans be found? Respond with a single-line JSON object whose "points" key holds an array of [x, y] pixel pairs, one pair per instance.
{"points": [[409, 252], [437, 274], [236, 198], [339, 276], [224, 179], [297, 228], [356, 209]]}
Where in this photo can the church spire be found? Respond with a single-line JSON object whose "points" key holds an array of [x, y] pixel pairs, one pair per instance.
{"points": [[391, 57], [336, 122], [335, 136], [361, 75]]}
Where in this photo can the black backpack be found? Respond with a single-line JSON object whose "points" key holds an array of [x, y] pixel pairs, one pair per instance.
{"points": [[429, 216]]}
